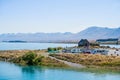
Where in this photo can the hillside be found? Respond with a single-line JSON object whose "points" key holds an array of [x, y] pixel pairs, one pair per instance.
{"points": [[98, 33], [90, 33]]}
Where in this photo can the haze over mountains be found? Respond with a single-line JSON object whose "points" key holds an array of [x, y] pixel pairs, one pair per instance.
{"points": [[91, 33]]}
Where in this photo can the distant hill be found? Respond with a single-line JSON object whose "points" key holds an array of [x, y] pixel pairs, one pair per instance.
{"points": [[98, 33], [90, 33]]}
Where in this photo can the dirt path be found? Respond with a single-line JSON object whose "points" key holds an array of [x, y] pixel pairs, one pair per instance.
{"points": [[74, 65]]}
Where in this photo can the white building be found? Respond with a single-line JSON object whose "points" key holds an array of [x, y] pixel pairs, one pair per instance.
{"points": [[100, 51], [111, 52], [114, 52], [76, 50]]}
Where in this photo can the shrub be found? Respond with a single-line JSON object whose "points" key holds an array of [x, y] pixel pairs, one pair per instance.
{"points": [[54, 49], [29, 57], [50, 49], [38, 60]]}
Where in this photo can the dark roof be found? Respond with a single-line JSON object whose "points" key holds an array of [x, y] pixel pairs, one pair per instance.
{"points": [[83, 42]]}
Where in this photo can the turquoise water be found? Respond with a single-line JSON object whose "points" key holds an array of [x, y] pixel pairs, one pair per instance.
{"points": [[14, 72], [32, 46]]}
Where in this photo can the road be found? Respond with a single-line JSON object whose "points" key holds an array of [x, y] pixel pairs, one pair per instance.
{"points": [[74, 65]]}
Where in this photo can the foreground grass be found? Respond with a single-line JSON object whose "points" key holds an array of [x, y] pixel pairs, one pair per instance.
{"points": [[92, 61]]}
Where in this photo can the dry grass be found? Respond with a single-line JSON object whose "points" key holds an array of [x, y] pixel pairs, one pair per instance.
{"points": [[18, 53], [52, 62], [15, 56], [90, 59]]}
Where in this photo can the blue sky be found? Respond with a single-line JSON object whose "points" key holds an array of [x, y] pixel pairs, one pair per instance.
{"points": [[27, 16]]}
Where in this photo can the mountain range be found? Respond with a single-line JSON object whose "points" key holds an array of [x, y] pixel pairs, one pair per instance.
{"points": [[91, 33]]}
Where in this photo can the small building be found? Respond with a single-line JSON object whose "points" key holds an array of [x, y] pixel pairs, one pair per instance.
{"points": [[67, 50], [83, 43], [76, 50], [114, 52], [110, 52], [100, 51]]}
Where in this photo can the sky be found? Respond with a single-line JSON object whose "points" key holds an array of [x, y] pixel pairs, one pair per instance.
{"points": [[31, 16]]}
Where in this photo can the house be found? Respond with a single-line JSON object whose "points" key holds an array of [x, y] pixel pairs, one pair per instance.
{"points": [[83, 43], [114, 52], [76, 50], [100, 51], [67, 50], [110, 52], [83, 47]]}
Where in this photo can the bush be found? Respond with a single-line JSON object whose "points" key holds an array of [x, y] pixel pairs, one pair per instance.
{"points": [[50, 49], [38, 60], [54, 49], [29, 58]]}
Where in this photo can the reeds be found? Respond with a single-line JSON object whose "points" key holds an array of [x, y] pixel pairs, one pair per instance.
{"points": [[90, 59]]}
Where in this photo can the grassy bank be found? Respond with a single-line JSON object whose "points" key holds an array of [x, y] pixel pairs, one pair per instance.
{"points": [[92, 61], [40, 57], [30, 57]]}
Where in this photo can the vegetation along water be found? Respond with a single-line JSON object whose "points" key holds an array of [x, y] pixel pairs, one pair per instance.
{"points": [[36, 65]]}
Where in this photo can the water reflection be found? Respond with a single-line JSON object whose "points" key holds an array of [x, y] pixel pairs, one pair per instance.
{"points": [[28, 70], [14, 72], [33, 73]]}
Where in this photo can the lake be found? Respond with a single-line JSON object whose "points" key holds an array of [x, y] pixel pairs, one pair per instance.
{"points": [[33, 46], [9, 71]]}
